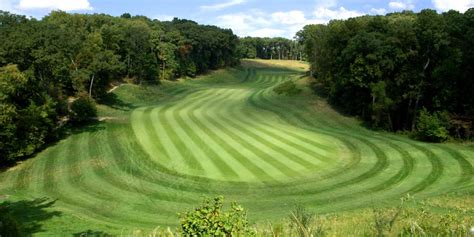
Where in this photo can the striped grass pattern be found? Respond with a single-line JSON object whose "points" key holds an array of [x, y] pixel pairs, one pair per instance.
{"points": [[230, 135]]}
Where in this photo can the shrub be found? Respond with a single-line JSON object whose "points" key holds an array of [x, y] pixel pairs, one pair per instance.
{"points": [[431, 127], [287, 88], [210, 220], [83, 109]]}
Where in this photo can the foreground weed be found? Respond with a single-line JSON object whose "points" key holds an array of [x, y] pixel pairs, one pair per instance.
{"points": [[304, 222]]}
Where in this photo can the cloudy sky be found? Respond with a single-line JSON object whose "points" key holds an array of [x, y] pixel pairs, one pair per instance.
{"points": [[245, 17]]}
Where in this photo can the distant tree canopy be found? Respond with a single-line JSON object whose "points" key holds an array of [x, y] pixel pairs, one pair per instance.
{"points": [[270, 48], [43, 62], [386, 69]]}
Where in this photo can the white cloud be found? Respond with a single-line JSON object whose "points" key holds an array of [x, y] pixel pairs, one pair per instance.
{"points": [[164, 17], [65, 5], [283, 23], [324, 15], [289, 18], [402, 5], [458, 5], [378, 11], [244, 23], [220, 6], [267, 32]]}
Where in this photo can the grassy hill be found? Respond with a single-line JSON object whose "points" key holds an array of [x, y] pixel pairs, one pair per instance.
{"points": [[160, 149]]}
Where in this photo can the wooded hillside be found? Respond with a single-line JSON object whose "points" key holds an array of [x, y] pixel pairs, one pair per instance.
{"points": [[402, 71], [43, 62]]}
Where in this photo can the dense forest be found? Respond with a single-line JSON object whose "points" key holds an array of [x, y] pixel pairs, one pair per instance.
{"points": [[270, 48], [403, 71], [45, 62]]}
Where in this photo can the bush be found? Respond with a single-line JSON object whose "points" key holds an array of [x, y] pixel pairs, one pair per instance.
{"points": [[431, 127], [83, 109], [210, 220], [287, 88]]}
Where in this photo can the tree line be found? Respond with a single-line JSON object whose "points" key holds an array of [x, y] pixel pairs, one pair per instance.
{"points": [[403, 71], [44, 62], [270, 48]]}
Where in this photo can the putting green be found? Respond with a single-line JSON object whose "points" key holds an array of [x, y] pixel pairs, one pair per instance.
{"points": [[228, 134]]}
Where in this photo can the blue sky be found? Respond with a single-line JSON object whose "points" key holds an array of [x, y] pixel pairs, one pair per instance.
{"points": [[245, 17]]}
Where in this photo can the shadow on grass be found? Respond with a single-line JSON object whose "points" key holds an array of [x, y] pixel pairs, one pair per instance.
{"points": [[91, 233], [89, 127], [113, 101], [30, 213], [61, 134]]}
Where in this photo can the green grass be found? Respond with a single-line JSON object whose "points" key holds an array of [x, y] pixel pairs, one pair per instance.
{"points": [[163, 148]]}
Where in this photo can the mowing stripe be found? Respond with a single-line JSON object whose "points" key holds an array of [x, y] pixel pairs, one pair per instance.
{"points": [[299, 154], [237, 146], [250, 147], [195, 156], [278, 153], [218, 147], [258, 156], [270, 144], [145, 136], [293, 141]]}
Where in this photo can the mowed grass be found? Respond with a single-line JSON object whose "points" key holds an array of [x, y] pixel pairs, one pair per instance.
{"points": [[162, 149]]}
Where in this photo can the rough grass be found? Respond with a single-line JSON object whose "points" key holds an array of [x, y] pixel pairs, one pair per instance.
{"points": [[227, 134]]}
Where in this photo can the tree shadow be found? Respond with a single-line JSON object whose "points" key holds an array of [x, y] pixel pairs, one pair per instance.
{"points": [[89, 127], [61, 134], [30, 213], [91, 233], [113, 101]]}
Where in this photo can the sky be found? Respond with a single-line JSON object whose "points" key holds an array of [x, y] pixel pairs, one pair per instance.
{"points": [[259, 18]]}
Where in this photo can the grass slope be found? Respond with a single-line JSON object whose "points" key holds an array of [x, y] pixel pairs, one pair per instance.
{"points": [[166, 147]]}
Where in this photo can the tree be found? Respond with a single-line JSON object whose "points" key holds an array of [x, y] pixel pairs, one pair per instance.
{"points": [[165, 52], [95, 65], [83, 109], [137, 50], [26, 116], [269, 48], [430, 127]]}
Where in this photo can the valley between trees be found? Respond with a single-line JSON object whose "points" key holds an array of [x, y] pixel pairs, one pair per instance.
{"points": [[162, 148]]}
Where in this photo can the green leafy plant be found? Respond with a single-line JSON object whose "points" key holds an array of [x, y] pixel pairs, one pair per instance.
{"points": [[210, 219], [431, 127], [83, 109], [287, 88]]}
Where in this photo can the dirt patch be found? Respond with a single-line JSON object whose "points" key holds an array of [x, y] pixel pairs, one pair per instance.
{"points": [[114, 88], [4, 197], [107, 118]]}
